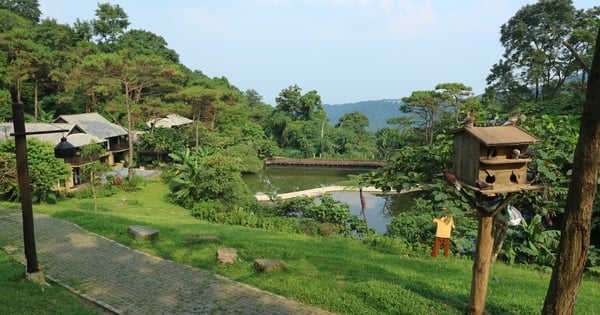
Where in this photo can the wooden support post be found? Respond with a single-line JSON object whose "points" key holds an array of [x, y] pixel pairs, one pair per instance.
{"points": [[483, 257], [481, 265]]}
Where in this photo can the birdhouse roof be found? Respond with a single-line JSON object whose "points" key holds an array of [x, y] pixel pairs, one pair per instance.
{"points": [[500, 135]]}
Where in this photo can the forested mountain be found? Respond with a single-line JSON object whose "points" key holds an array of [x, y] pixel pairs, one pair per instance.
{"points": [[377, 111]]}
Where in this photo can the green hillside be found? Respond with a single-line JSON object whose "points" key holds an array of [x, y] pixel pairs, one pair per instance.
{"points": [[378, 111]]}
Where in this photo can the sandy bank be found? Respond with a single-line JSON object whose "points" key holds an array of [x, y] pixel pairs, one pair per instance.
{"points": [[316, 192]]}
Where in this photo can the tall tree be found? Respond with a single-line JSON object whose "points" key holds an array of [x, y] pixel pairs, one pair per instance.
{"points": [[93, 76], [202, 101], [582, 39], [576, 230], [148, 43], [536, 62], [28, 9], [457, 93], [254, 98], [299, 106], [26, 59], [300, 113], [110, 25], [138, 76], [533, 40], [427, 106]]}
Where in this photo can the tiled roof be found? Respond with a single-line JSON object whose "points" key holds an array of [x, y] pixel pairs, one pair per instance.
{"points": [[74, 135], [94, 124]]}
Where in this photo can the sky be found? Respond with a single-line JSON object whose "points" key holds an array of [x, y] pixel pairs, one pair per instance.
{"points": [[347, 50]]}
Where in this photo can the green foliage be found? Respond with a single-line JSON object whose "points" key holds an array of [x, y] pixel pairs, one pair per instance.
{"points": [[341, 275], [247, 155], [103, 191], [416, 228], [536, 64], [298, 106], [388, 141], [44, 170], [134, 183], [425, 107], [402, 173], [110, 24], [551, 164], [531, 243], [326, 217], [28, 9], [205, 176], [212, 211], [155, 145]]}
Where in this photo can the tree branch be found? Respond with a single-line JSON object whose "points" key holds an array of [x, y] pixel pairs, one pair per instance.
{"points": [[576, 55]]}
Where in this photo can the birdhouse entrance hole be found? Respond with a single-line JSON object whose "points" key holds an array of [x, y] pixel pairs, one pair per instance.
{"points": [[492, 153], [489, 178]]}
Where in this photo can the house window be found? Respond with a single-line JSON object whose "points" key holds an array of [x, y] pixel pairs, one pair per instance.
{"points": [[76, 180]]}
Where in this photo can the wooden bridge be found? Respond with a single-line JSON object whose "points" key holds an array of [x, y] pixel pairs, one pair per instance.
{"points": [[324, 163]]}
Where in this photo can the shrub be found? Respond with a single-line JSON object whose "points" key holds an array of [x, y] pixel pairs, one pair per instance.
{"points": [[133, 184], [388, 245]]}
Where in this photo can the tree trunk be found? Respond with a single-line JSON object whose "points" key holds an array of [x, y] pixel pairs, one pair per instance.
{"points": [[363, 205], [576, 229], [93, 184], [35, 101], [128, 109]]}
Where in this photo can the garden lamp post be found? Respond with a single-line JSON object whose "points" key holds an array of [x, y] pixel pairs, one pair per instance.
{"points": [[33, 270]]}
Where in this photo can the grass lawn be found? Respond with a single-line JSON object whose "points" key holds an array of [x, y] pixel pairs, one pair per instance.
{"points": [[339, 275], [20, 296]]}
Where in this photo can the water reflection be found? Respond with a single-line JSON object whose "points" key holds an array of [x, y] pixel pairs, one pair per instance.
{"points": [[380, 209], [289, 179]]}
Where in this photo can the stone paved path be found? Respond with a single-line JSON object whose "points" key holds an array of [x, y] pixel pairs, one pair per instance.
{"points": [[127, 281]]}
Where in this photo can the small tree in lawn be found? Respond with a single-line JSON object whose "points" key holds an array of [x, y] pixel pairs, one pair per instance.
{"points": [[94, 169]]}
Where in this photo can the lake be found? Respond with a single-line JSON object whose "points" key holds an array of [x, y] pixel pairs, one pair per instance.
{"points": [[380, 209]]}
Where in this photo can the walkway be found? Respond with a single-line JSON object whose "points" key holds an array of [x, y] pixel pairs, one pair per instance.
{"points": [[127, 281]]}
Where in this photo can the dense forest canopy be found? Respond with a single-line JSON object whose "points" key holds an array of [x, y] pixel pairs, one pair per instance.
{"points": [[131, 76]]}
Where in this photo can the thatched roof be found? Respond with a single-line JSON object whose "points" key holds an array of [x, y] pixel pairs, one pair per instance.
{"points": [[172, 120]]}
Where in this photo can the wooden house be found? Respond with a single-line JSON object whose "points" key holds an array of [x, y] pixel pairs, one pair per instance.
{"points": [[74, 135], [493, 158], [94, 124]]}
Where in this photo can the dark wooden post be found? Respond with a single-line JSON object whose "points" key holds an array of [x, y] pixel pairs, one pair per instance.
{"points": [[481, 265], [483, 257], [24, 187]]}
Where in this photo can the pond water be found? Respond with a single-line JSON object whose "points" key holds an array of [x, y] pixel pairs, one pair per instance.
{"points": [[380, 209]]}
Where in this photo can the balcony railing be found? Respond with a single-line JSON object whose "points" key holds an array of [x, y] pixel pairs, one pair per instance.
{"points": [[119, 146]]}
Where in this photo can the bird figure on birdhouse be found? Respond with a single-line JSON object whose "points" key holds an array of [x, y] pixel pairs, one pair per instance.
{"points": [[470, 120], [492, 120], [512, 120], [452, 180], [482, 185]]}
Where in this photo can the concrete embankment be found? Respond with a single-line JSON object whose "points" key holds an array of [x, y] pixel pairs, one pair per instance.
{"points": [[315, 192]]}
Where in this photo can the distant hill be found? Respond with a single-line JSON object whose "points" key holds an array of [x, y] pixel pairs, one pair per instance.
{"points": [[378, 112]]}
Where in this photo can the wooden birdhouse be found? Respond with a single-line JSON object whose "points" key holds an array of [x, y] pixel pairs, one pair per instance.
{"points": [[493, 159]]}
